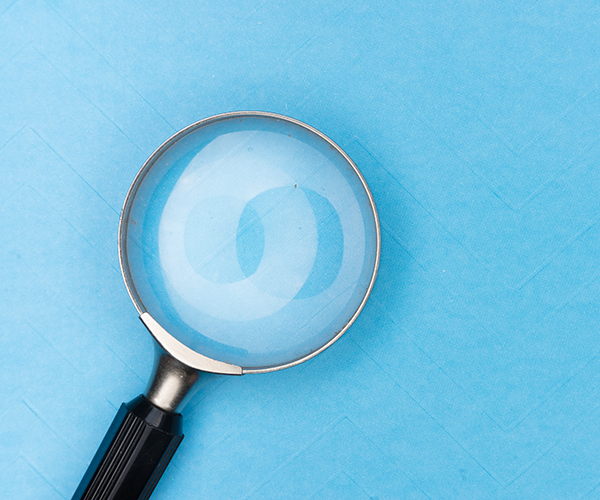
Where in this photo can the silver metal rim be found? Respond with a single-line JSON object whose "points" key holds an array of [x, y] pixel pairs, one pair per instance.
{"points": [[128, 278]]}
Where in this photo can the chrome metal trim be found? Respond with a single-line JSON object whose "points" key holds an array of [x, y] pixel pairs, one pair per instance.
{"points": [[181, 352], [215, 365]]}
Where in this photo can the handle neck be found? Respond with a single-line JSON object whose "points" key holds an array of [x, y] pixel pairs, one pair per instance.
{"points": [[172, 383]]}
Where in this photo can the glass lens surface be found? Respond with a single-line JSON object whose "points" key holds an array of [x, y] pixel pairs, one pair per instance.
{"points": [[251, 240]]}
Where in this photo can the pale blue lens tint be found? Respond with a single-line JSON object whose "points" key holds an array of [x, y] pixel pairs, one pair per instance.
{"points": [[251, 239]]}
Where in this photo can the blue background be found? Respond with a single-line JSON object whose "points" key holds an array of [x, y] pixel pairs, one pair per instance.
{"points": [[473, 372]]}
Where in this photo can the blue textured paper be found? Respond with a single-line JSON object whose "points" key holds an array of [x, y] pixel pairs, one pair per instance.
{"points": [[473, 372]]}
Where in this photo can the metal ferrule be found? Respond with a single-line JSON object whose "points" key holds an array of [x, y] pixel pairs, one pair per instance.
{"points": [[172, 383]]}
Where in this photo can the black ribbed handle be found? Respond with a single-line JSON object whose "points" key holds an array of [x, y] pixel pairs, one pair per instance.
{"points": [[133, 455]]}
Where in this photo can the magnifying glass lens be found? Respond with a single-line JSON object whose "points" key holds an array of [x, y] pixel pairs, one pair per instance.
{"points": [[252, 240]]}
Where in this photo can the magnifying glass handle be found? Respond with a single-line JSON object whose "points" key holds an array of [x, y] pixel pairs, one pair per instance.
{"points": [[133, 455]]}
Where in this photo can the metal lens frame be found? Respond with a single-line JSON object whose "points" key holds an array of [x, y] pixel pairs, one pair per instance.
{"points": [[165, 340]]}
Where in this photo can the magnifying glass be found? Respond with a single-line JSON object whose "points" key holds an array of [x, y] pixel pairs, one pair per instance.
{"points": [[249, 242]]}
